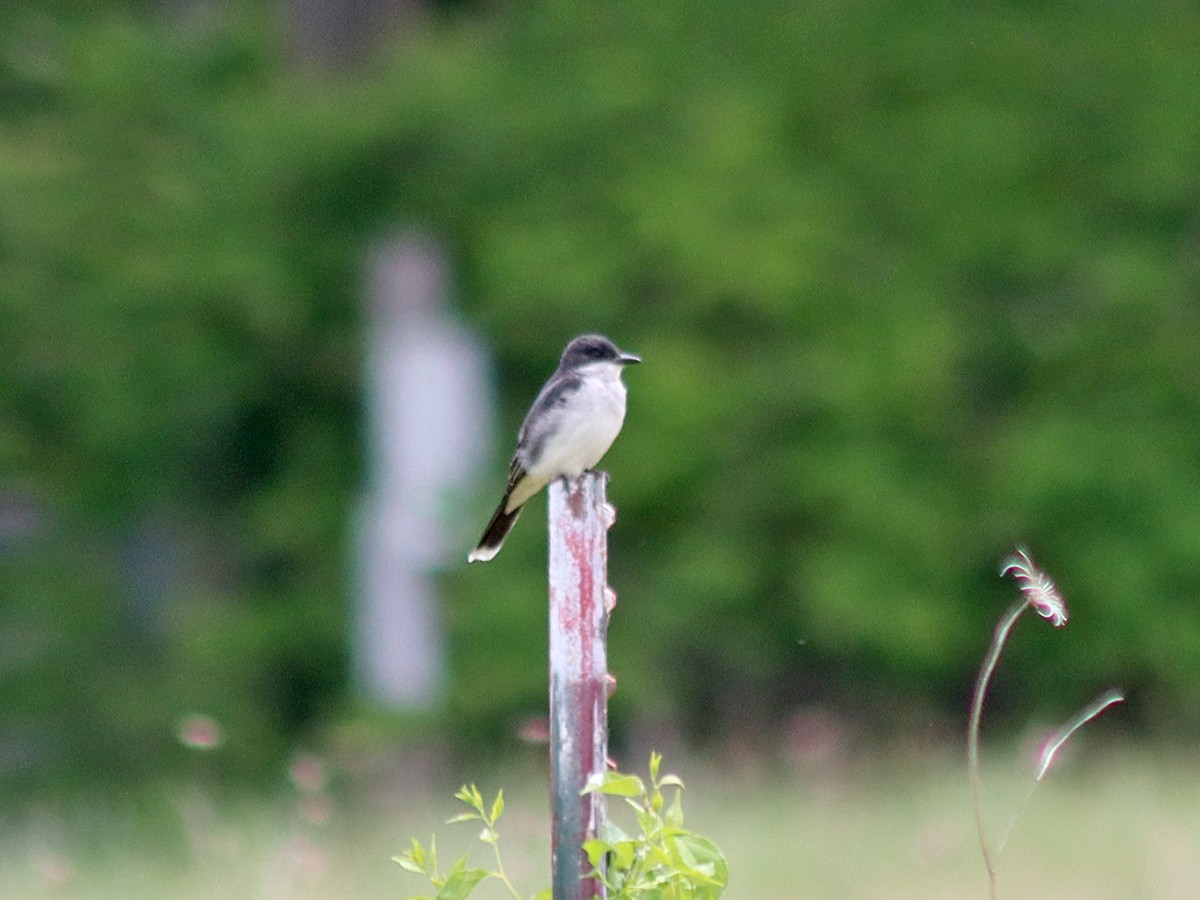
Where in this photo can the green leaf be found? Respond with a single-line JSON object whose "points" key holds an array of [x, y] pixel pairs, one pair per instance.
{"points": [[406, 862], [624, 853], [497, 807], [647, 820], [616, 785], [596, 850], [674, 816], [656, 800], [461, 883], [543, 895], [470, 795], [464, 817], [417, 853], [671, 780], [703, 858]]}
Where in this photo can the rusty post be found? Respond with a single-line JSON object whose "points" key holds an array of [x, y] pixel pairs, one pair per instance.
{"points": [[579, 606]]}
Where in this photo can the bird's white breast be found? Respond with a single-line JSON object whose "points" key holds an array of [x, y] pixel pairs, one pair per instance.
{"points": [[585, 426]]}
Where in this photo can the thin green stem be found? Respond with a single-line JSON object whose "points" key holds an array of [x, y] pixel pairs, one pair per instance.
{"points": [[1012, 822], [501, 874], [1055, 743], [999, 637]]}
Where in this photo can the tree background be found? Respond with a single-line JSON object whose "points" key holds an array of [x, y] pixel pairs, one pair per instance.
{"points": [[911, 286]]}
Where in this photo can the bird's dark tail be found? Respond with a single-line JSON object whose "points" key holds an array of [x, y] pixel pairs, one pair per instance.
{"points": [[495, 533]]}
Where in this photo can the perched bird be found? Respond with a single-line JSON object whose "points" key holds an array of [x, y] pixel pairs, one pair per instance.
{"points": [[572, 423]]}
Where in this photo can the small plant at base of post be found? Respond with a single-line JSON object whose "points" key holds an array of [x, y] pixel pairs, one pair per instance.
{"points": [[663, 860]]}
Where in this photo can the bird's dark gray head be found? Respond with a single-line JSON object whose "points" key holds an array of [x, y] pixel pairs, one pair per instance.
{"points": [[594, 348]]}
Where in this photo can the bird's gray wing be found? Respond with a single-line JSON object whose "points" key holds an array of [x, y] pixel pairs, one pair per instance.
{"points": [[543, 417], [540, 423]]}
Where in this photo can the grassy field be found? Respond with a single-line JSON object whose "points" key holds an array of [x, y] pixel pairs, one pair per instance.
{"points": [[1120, 824]]}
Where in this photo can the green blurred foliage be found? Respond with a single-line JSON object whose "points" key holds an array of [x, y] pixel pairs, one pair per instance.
{"points": [[910, 286], [179, 361]]}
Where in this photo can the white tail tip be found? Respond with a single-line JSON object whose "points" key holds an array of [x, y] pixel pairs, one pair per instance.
{"points": [[482, 554]]}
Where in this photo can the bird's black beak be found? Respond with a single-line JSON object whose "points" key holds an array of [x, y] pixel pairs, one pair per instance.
{"points": [[628, 359]]}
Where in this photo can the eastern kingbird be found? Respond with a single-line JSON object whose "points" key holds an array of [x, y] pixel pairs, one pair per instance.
{"points": [[572, 423]]}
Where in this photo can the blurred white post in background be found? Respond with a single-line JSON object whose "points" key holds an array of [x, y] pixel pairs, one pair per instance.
{"points": [[428, 415]]}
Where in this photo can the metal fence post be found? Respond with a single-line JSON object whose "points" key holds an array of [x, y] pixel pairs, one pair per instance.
{"points": [[579, 683]]}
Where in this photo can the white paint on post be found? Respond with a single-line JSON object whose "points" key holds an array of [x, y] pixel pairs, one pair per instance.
{"points": [[428, 401], [580, 601]]}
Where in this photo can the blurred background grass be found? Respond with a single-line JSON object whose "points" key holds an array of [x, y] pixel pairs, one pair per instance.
{"points": [[1121, 825], [911, 286]]}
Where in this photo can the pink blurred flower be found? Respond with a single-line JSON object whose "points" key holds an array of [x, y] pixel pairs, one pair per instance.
{"points": [[307, 773], [55, 870], [199, 732], [534, 730]]}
